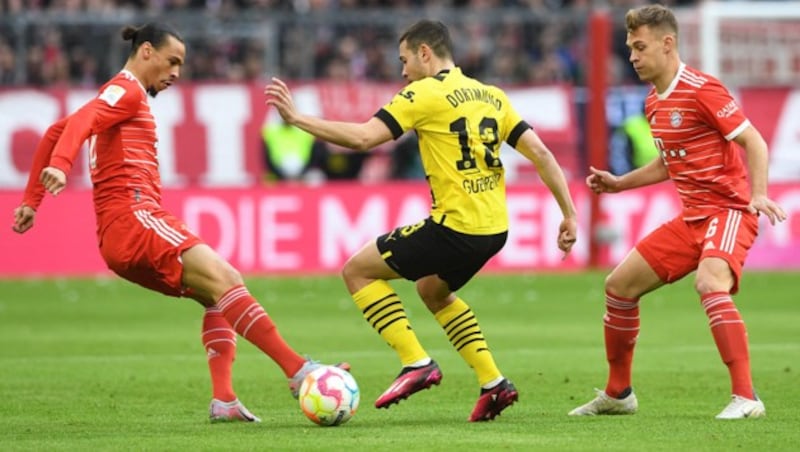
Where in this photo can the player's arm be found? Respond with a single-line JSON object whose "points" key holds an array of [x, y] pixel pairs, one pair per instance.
{"points": [[757, 164], [359, 136], [652, 173], [756, 150], [600, 181], [531, 146], [25, 213], [34, 191], [77, 130], [114, 105], [722, 112]]}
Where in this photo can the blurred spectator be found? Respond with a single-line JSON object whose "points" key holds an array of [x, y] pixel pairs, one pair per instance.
{"points": [[227, 41], [7, 63], [474, 45], [555, 60], [291, 154], [631, 145], [340, 163]]}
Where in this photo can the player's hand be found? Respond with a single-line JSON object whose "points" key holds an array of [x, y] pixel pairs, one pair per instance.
{"points": [[768, 207], [23, 219], [567, 235], [279, 96], [53, 179], [602, 181]]}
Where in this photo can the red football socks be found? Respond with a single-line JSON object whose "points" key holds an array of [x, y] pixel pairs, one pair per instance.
{"points": [[621, 329], [219, 340], [730, 336], [251, 321]]}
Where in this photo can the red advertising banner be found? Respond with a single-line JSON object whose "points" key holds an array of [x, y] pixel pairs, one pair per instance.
{"points": [[304, 230], [209, 135]]}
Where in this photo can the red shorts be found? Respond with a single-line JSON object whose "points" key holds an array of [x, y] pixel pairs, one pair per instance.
{"points": [[144, 246], [675, 248]]}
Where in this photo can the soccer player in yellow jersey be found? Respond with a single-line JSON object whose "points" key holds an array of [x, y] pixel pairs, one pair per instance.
{"points": [[460, 123]]}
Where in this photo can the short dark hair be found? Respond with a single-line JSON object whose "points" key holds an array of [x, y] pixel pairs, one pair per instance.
{"points": [[657, 17], [154, 33], [432, 33]]}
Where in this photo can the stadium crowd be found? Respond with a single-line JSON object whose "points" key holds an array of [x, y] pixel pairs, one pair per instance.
{"points": [[65, 42]]}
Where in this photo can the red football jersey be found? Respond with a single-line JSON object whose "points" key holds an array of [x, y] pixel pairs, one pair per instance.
{"points": [[122, 148], [693, 123]]}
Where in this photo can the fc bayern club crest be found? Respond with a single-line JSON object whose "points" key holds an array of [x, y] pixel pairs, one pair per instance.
{"points": [[675, 118]]}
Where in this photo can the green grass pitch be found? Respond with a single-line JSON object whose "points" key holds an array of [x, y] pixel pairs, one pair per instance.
{"points": [[105, 365]]}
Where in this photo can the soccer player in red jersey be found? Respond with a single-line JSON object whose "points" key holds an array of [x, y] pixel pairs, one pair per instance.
{"points": [[138, 239], [694, 121]]}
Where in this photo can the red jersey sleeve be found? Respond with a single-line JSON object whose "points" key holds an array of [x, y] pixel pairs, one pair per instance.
{"points": [[34, 191], [720, 110], [118, 101]]}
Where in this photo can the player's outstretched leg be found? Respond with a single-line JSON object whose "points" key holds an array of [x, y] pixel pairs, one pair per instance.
{"points": [[250, 320]]}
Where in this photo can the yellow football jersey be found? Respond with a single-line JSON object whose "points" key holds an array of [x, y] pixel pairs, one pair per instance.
{"points": [[460, 123]]}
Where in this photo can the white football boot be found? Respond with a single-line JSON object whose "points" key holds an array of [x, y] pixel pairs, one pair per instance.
{"points": [[741, 408], [604, 404]]}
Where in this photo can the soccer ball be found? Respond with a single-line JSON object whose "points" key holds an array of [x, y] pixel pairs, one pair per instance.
{"points": [[329, 396]]}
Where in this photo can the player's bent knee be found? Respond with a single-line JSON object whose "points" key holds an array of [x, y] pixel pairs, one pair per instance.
{"points": [[620, 287], [353, 279], [223, 279], [613, 285], [210, 275], [714, 275], [705, 285], [232, 276], [349, 272]]}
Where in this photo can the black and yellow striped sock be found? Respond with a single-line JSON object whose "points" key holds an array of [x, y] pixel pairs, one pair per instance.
{"points": [[465, 334], [384, 311]]}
